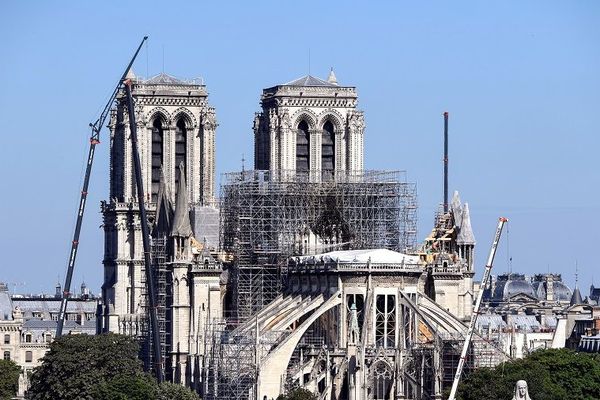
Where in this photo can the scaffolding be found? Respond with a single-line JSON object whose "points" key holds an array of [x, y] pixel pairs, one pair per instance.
{"points": [[233, 360], [162, 289], [266, 218]]}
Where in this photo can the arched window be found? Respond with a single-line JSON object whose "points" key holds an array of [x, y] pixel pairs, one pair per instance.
{"points": [[157, 156], [180, 149], [302, 148], [7, 355], [382, 381], [328, 151], [385, 320]]}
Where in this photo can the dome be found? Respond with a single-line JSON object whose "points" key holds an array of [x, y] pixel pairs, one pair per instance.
{"points": [[561, 292], [514, 287], [508, 285]]}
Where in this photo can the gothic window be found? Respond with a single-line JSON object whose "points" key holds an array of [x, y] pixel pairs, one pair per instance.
{"points": [[28, 356], [328, 151], [180, 149], [157, 156], [382, 381], [359, 302], [385, 321], [302, 148], [7, 355]]}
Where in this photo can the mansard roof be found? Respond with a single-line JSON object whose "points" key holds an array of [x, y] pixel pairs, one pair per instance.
{"points": [[309, 80]]}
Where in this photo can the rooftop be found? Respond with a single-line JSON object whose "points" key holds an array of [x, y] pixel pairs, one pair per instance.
{"points": [[309, 80]]}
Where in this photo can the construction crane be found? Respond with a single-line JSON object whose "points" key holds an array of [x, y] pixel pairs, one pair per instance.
{"points": [[484, 283], [94, 140], [145, 235]]}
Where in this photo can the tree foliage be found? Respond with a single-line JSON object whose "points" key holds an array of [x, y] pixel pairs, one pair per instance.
{"points": [[138, 387], [9, 379], [100, 367], [76, 363], [550, 375], [298, 394], [172, 391]]}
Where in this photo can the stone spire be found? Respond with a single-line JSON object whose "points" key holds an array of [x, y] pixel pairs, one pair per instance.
{"points": [[164, 209], [331, 78], [353, 331], [465, 234], [456, 208], [576, 298], [181, 221], [130, 74]]}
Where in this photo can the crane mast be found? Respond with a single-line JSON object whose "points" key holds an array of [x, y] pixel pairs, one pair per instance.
{"points": [[484, 283], [145, 235], [94, 140]]}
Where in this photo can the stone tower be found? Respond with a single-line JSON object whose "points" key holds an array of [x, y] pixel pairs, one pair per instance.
{"points": [[176, 126], [309, 128]]}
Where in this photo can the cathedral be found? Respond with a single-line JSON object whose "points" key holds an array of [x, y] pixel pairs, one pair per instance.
{"points": [[176, 128], [313, 278]]}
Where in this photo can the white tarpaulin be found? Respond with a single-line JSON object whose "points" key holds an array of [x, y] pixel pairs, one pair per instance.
{"points": [[376, 256]]}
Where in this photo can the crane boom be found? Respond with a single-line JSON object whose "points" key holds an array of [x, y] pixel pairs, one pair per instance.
{"points": [[94, 140], [156, 345], [484, 282]]}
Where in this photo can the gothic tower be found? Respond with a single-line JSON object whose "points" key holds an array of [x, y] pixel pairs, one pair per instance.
{"points": [[176, 126], [309, 128]]}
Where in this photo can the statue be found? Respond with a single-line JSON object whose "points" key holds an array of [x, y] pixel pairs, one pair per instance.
{"points": [[521, 392]]}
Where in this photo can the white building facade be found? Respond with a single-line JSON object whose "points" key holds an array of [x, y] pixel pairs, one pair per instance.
{"points": [[309, 127]]}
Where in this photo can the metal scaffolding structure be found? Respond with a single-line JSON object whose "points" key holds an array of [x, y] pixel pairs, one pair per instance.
{"points": [[163, 292], [265, 218], [233, 359]]}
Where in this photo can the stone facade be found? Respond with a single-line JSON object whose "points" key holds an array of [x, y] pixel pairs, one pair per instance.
{"points": [[176, 138], [28, 326], [309, 126], [448, 252], [176, 126]]}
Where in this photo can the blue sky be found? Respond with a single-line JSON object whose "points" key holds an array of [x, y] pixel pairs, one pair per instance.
{"points": [[520, 79]]}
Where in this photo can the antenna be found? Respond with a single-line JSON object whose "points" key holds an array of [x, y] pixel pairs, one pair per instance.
{"points": [[445, 161], [243, 159], [576, 274]]}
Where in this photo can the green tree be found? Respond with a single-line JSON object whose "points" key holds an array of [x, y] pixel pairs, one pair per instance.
{"points": [[9, 379], [298, 394], [75, 364], [550, 375], [137, 387], [172, 391]]}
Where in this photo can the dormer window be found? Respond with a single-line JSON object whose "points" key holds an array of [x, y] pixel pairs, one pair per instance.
{"points": [[28, 338]]}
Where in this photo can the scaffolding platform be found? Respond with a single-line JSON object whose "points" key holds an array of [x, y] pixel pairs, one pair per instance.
{"points": [[267, 217]]}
